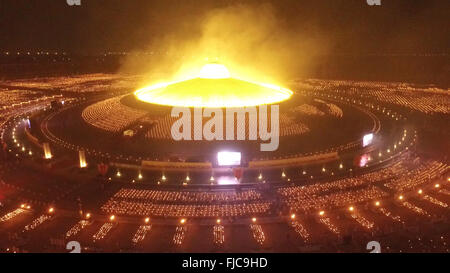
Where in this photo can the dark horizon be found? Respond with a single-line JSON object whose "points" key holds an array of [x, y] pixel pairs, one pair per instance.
{"points": [[347, 27]]}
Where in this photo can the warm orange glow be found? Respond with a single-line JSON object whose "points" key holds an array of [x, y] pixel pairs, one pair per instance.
{"points": [[214, 88], [419, 191], [253, 219], [218, 221], [321, 213], [351, 208], [112, 217], [51, 210], [147, 220], [400, 197], [88, 215], [437, 185], [292, 216], [182, 221], [377, 203], [47, 152], [82, 156]]}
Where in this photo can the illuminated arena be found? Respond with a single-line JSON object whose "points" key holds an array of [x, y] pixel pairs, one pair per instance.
{"points": [[349, 165], [245, 128]]}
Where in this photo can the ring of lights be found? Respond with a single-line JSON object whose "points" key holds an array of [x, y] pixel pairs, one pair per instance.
{"points": [[60, 140]]}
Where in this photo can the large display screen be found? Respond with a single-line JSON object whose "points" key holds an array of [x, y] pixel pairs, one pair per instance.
{"points": [[229, 158]]}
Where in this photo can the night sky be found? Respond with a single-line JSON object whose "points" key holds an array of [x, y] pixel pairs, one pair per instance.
{"points": [[350, 26]]}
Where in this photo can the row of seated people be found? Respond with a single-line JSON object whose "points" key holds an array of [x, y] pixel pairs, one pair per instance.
{"points": [[291, 127], [162, 126], [12, 97], [186, 196], [394, 174], [419, 176], [426, 100], [145, 208], [95, 82], [20, 98], [341, 147], [330, 194], [312, 203], [111, 115], [335, 110], [311, 110]]}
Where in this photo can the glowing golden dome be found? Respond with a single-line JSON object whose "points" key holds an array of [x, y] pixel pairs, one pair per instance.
{"points": [[214, 71], [214, 87]]}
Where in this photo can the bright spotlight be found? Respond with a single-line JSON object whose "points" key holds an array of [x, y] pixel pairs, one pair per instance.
{"points": [[367, 139], [229, 158]]}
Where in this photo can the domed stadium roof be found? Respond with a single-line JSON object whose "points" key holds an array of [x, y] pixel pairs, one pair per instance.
{"points": [[214, 87]]}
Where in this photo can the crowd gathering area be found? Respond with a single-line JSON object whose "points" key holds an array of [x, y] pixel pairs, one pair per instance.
{"points": [[397, 191]]}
